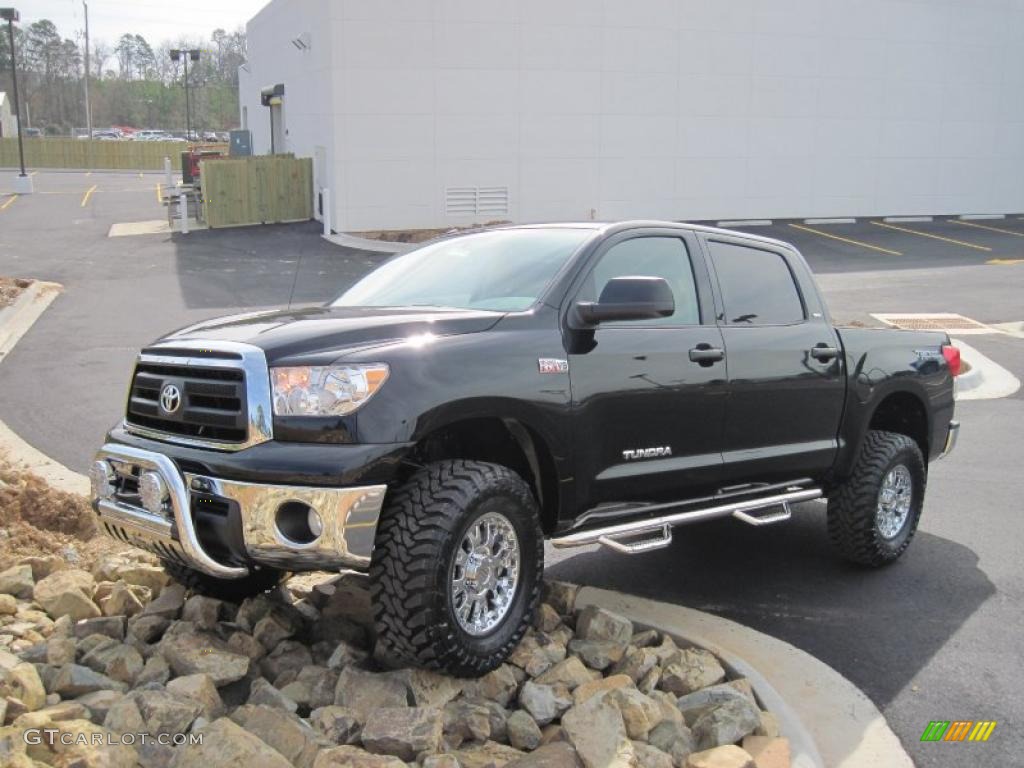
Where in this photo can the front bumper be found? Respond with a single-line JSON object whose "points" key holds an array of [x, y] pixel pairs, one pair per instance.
{"points": [[348, 516]]}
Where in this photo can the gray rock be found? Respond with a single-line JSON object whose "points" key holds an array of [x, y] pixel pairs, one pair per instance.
{"points": [[555, 755], [498, 685], [274, 628], [338, 725], [728, 756], [120, 601], [346, 654], [200, 688], [73, 680], [595, 623], [67, 593], [287, 734], [60, 650], [640, 713], [645, 638], [252, 610], [597, 654], [226, 743], [546, 618], [367, 691], [110, 626], [561, 596], [99, 703], [486, 755], [403, 733], [523, 731], [726, 723], [125, 664], [123, 716], [312, 687], [690, 670], [428, 688], [17, 581], [20, 680], [8, 605], [596, 730], [536, 653], [544, 702], [165, 712], [148, 629], [288, 656], [693, 705], [353, 757], [203, 654], [570, 672], [150, 576], [651, 757], [247, 645], [202, 611], [636, 663], [168, 604], [466, 720], [262, 692], [497, 715], [673, 738], [155, 670]]}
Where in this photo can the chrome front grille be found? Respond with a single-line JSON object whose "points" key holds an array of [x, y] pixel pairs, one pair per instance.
{"points": [[223, 395]]}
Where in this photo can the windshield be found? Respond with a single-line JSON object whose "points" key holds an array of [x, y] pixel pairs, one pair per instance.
{"points": [[504, 271]]}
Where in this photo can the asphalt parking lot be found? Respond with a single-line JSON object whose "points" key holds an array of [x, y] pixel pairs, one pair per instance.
{"points": [[937, 636]]}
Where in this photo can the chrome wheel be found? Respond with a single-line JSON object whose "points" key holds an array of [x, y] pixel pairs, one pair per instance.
{"points": [[894, 500], [485, 573]]}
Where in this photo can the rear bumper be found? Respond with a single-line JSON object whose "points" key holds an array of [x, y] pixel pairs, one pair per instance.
{"points": [[951, 438], [177, 529]]}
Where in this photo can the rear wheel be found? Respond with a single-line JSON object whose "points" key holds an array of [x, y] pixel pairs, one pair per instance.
{"points": [[457, 566], [233, 590], [872, 517]]}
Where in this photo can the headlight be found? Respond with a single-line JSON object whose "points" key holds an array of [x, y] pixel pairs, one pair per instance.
{"points": [[330, 390]]}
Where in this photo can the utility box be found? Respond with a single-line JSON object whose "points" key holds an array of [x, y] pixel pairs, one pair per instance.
{"points": [[241, 143]]}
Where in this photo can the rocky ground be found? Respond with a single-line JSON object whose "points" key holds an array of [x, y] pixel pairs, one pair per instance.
{"points": [[289, 678]]}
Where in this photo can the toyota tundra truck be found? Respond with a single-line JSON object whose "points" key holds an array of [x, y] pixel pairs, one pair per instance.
{"points": [[580, 383]]}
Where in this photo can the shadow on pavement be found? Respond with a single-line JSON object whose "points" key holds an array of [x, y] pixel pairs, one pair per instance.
{"points": [[876, 627]]}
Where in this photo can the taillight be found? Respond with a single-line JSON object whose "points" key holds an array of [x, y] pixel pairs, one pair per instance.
{"points": [[952, 355]]}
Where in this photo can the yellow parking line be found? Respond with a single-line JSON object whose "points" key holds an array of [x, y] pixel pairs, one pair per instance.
{"points": [[159, 197], [1005, 262], [846, 240], [33, 173], [88, 194], [7, 204], [933, 237], [989, 228]]}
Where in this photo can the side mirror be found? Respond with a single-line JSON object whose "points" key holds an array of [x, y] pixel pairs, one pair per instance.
{"points": [[626, 298]]}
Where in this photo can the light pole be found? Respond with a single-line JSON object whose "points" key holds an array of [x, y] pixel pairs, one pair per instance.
{"points": [[184, 54], [23, 185]]}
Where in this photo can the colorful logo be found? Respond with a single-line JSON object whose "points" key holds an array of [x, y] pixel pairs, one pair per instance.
{"points": [[958, 730]]}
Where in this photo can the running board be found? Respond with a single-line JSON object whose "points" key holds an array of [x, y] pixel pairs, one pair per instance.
{"points": [[659, 529]]}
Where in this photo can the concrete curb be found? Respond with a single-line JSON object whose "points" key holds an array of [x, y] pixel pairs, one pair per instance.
{"points": [[987, 380], [15, 321], [366, 244], [808, 696]]}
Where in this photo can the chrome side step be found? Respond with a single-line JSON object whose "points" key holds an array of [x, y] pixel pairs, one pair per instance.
{"points": [[617, 537]]}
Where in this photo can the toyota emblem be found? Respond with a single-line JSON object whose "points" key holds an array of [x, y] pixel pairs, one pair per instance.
{"points": [[170, 398]]}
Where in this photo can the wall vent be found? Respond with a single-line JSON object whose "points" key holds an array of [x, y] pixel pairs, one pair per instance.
{"points": [[474, 201]]}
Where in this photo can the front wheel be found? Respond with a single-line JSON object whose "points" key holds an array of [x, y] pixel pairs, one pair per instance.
{"points": [[457, 566], [872, 517]]}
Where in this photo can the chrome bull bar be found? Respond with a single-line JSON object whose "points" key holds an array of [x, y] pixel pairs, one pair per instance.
{"points": [[349, 517]]}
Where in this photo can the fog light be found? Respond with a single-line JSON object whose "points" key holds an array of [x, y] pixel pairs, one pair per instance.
{"points": [[102, 479], [316, 525], [153, 492]]}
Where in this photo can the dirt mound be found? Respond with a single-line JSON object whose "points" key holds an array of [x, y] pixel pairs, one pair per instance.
{"points": [[10, 287], [36, 519]]}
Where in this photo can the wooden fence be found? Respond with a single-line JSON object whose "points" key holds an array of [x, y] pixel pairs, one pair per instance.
{"points": [[257, 190], [95, 154]]}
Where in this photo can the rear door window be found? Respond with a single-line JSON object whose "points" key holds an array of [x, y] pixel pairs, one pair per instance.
{"points": [[757, 286]]}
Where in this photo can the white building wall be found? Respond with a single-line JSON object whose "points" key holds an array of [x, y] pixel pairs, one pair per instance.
{"points": [[678, 109]]}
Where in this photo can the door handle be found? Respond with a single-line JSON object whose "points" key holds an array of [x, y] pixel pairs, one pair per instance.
{"points": [[824, 352], [706, 355]]}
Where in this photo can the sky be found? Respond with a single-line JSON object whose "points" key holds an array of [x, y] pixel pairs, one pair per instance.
{"points": [[156, 20]]}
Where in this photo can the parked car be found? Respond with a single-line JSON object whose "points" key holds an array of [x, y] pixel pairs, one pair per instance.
{"points": [[152, 135], [33, 133], [585, 383]]}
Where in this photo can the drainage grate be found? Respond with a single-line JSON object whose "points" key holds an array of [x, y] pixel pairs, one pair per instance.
{"points": [[949, 322]]}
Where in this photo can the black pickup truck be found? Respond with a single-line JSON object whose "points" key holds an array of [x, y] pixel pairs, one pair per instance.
{"points": [[584, 383]]}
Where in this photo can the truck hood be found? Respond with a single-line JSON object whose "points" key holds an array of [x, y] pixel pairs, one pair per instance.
{"points": [[291, 333]]}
